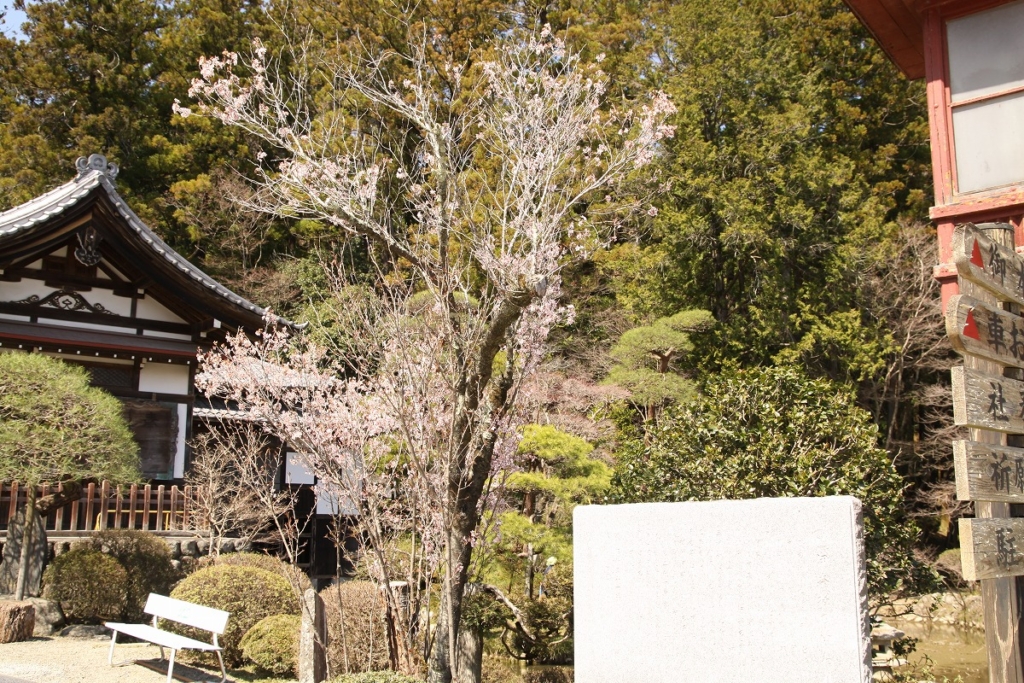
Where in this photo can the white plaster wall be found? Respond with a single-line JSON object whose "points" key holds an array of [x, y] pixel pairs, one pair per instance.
{"points": [[116, 329], [295, 471], [19, 318], [179, 455], [332, 503], [755, 591], [16, 291], [121, 305], [167, 335], [164, 378], [152, 309]]}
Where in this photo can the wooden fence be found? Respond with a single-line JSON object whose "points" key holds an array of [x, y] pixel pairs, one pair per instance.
{"points": [[100, 506]]}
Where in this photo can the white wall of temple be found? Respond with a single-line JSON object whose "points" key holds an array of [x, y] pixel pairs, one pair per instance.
{"points": [[295, 471], [84, 326], [164, 378], [152, 309], [19, 291], [16, 291], [179, 454], [121, 305], [166, 335]]}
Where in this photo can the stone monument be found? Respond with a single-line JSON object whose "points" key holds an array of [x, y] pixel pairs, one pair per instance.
{"points": [[768, 590]]}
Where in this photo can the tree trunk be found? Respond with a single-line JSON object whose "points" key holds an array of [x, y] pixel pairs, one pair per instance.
{"points": [[26, 542], [447, 634], [529, 571], [470, 656]]}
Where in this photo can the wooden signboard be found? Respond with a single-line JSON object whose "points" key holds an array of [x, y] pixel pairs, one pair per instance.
{"points": [[988, 472], [982, 261], [992, 548], [987, 401], [985, 330]]}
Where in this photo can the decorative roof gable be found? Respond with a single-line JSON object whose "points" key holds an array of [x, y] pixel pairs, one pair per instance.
{"points": [[90, 207]]}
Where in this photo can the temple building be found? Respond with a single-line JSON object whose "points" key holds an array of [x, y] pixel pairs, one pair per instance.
{"points": [[83, 279]]}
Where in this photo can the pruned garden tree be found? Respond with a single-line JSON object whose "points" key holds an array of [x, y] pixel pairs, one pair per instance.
{"points": [[56, 429], [508, 167], [645, 360]]}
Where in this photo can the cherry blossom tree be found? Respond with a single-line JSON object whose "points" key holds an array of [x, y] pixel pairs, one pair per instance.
{"points": [[509, 169]]}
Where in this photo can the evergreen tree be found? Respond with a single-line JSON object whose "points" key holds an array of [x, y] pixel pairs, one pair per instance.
{"points": [[83, 84], [796, 144], [645, 357], [55, 428]]}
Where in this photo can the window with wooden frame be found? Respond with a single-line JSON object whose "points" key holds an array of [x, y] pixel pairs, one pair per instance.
{"points": [[985, 53]]}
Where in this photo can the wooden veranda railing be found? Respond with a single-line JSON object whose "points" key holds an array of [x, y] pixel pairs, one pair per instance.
{"points": [[101, 506]]}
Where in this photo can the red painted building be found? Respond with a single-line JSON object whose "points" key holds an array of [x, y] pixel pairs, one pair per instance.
{"points": [[971, 53]]}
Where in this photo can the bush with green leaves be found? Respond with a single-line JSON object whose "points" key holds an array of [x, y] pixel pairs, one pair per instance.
{"points": [[356, 636], [273, 644], [249, 594], [771, 432], [294, 575], [90, 586], [147, 563], [376, 677]]}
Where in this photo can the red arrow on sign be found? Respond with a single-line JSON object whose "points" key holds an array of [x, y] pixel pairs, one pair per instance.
{"points": [[976, 256], [971, 327]]}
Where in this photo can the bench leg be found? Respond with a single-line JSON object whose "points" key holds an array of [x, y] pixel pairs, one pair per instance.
{"points": [[170, 667], [223, 673], [110, 656]]}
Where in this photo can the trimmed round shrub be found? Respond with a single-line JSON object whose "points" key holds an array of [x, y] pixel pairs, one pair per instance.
{"points": [[273, 644], [376, 677], [294, 575], [250, 594], [89, 585], [147, 561], [364, 637]]}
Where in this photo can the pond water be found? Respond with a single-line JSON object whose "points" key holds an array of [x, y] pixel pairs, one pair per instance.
{"points": [[954, 652]]}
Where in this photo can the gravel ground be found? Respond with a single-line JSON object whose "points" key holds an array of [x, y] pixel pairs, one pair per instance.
{"points": [[71, 660]]}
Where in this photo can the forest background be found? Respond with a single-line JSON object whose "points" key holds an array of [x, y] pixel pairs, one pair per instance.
{"points": [[793, 206]]}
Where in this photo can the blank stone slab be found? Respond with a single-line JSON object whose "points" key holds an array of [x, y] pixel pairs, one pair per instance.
{"points": [[750, 591]]}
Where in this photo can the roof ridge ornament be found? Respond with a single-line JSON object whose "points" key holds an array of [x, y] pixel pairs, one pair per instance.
{"points": [[96, 162], [88, 253]]}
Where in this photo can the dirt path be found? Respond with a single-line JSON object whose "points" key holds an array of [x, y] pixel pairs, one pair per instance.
{"points": [[70, 660]]}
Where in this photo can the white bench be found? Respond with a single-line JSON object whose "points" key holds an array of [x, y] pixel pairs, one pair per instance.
{"points": [[161, 607]]}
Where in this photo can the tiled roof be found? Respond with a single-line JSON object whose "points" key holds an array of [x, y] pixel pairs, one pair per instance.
{"points": [[94, 173]]}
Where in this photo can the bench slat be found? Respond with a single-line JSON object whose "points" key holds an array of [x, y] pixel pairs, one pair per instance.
{"points": [[199, 616], [159, 637]]}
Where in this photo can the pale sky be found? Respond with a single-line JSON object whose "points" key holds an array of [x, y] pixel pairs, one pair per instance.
{"points": [[11, 25]]}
